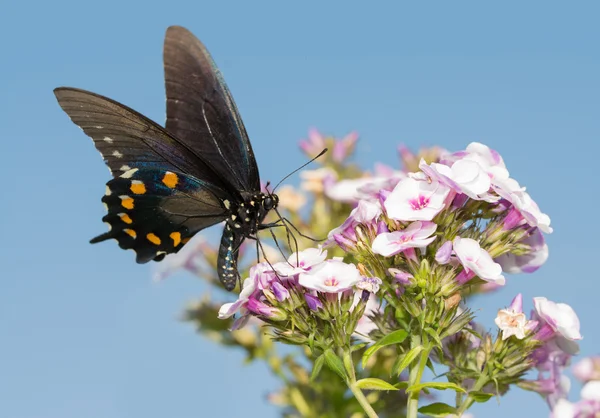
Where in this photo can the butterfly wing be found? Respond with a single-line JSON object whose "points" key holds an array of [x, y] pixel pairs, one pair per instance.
{"points": [[127, 139], [161, 193], [155, 212], [201, 111]]}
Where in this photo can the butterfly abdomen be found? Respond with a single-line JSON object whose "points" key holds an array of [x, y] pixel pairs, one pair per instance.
{"points": [[228, 256]]}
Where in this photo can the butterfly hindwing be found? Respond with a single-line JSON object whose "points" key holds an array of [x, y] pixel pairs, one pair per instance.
{"points": [[155, 211], [201, 111]]}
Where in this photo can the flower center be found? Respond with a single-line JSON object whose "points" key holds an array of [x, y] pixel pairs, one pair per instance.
{"points": [[331, 282], [419, 203]]}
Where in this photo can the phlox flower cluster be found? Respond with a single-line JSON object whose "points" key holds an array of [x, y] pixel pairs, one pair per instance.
{"points": [[304, 289], [404, 249]]}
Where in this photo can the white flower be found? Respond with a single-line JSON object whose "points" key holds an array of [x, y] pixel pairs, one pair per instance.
{"points": [[559, 316], [331, 277], [465, 176], [476, 259], [415, 200], [511, 323], [228, 309], [416, 235], [591, 391], [301, 262]]}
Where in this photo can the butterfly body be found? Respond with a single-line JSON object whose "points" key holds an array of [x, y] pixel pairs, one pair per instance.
{"points": [[244, 221], [169, 184]]}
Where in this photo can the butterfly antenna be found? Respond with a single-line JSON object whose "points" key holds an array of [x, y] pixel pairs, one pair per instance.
{"points": [[298, 169]]}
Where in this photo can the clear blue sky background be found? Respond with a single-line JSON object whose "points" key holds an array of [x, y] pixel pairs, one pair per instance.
{"points": [[83, 330]]}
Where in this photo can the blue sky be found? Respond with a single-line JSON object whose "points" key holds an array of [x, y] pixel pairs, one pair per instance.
{"points": [[84, 331]]}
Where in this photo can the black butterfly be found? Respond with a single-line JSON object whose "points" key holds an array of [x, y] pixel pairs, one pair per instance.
{"points": [[169, 184]]}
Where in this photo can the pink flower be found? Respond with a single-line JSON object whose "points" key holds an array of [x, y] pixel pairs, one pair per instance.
{"points": [[301, 262], [344, 147], [348, 190], [260, 308], [527, 263], [416, 200], [313, 302], [510, 190], [560, 317], [442, 256], [464, 176], [531, 212], [319, 180], [587, 369], [366, 213], [228, 309], [400, 276], [333, 276], [488, 159], [477, 260], [416, 235], [314, 144]]}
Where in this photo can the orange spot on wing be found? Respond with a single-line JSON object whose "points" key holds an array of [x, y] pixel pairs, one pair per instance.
{"points": [[153, 239], [170, 179], [125, 218], [176, 237], [138, 187], [130, 232], [127, 203]]}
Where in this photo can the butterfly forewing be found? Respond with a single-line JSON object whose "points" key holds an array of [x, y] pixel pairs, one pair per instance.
{"points": [[201, 111], [127, 139]]}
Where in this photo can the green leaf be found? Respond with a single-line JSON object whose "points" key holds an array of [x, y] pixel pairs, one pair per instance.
{"points": [[401, 385], [408, 358], [433, 334], [430, 366], [335, 363], [317, 367], [437, 409], [395, 337], [358, 347], [372, 383], [480, 396], [436, 385]]}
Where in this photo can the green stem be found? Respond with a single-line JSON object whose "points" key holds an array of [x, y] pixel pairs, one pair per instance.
{"points": [[351, 382], [479, 384], [414, 378], [362, 400]]}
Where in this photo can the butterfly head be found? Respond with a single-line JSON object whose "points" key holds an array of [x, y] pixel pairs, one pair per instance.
{"points": [[270, 201]]}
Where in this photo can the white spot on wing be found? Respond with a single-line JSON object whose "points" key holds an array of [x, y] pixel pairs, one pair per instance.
{"points": [[128, 173], [108, 191], [107, 139], [117, 154], [125, 168], [227, 204]]}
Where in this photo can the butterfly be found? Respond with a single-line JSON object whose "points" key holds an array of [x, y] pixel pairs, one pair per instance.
{"points": [[169, 184]]}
